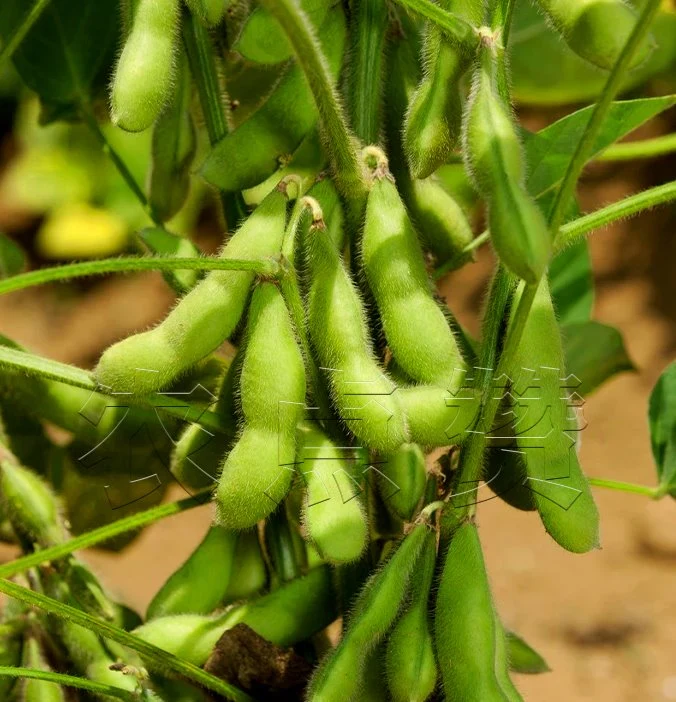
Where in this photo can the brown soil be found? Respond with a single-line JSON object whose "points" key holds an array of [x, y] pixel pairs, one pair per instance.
{"points": [[606, 621]]}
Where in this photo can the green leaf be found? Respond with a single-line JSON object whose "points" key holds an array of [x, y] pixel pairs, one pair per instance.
{"points": [[67, 52], [549, 150], [572, 284], [522, 657], [12, 257], [594, 353], [662, 420], [546, 72]]}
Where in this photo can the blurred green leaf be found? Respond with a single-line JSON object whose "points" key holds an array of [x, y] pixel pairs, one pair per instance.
{"points": [[549, 151], [662, 419], [572, 284], [522, 657], [67, 52], [594, 353], [546, 72], [12, 257]]}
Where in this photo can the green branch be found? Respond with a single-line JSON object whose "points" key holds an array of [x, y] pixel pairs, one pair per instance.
{"points": [[31, 18], [598, 116], [152, 655], [456, 29], [216, 111], [103, 534], [70, 681], [29, 364], [130, 264], [580, 227], [340, 143], [625, 487], [645, 148]]}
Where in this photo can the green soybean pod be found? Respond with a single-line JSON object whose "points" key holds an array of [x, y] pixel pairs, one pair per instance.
{"points": [[438, 417], [211, 12], [340, 675], [403, 483], [142, 82], [165, 243], [291, 613], [203, 319], [249, 574], [470, 641], [29, 503], [432, 124], [410, 664], [493, 157], [363, 394], [522, 657], [272, 396], [197, 455], [173, 149], [560, 490], [333, 514], [415, 326], [33, 690], [596, 30], [253, 151], [200, 584]]}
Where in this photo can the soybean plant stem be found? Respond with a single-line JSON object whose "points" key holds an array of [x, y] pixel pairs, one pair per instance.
{"points": [[130, 264], [586, 142], [645, 148], [571, 232], [626, 487], [216, 111], [62, 680], [456, 29], [121, 166], [340, 143], [29, 20], [104, 533], [153, 655]]}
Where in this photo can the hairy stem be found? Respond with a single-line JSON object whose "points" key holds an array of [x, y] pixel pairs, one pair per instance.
{"points": [[598, 116], [457, 30], [340, 143], [70, 681], [625, 487], [150, 653], [200, 51], [130, 264], [104, 533], [29, 20], [645, 148]]}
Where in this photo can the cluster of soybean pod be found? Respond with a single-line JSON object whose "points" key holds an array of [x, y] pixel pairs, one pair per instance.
{"points": [[333, 496]]}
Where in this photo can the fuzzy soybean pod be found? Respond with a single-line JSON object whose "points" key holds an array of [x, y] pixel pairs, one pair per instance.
{"points": [[363, 394], [173, 149], [403, 483], [410, 664], [211, 12], [559, 488], [595, 30], [469, 638], [142, 83], [432, 124], [415, 326], [198, 453], [333, 514], [33, 690], [249, 573], [494, 158], [200, 584], [340, 676], [272, 391], [203, 319], [291, 613]]}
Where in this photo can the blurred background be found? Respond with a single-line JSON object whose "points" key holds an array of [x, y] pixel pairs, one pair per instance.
{"points": [[605, 621]]}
